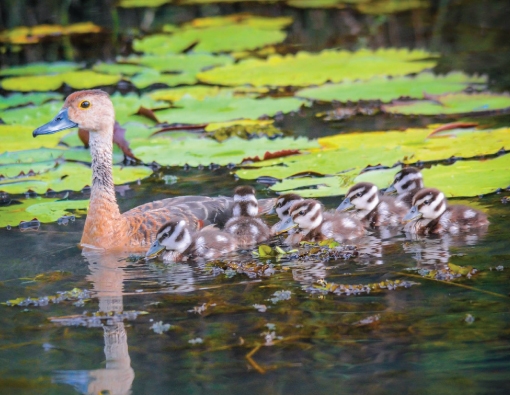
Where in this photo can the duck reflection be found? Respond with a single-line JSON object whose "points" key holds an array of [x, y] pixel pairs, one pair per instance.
{"points": [[107, 276], [437, 250]]}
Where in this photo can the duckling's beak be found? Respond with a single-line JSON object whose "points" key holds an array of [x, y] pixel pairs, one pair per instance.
{"points": [[285, 226], [391, 190], [272, 211], [345, 205], [412, 215], [155, 250], [60, 122]]}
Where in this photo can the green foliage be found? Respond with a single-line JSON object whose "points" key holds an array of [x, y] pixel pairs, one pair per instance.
{"points": [[306, 69], [19, 99], [386, 89], [226, 108], [455, 103], [40, 68]]}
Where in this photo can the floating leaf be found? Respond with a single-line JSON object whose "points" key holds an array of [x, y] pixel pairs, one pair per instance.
{"points": [[244, 128], [31, 116], [17, 169], [84, 79], [127, 105], [18, 137], [118, 68], [244, 19], [303, 69], [33, 34], [200, 92], [202, 151], [386, 89], [18, 99], [45, 210], [455, 103], [69, 176], [381, 7], [142, 3], [226, 108], [40, 68]]}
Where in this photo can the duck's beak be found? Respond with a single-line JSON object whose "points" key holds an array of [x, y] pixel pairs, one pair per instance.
{"points": [[391, 190], [60, 122], [345, 205], [412, 215], [272, 211], [285, 226], [155, 250]]}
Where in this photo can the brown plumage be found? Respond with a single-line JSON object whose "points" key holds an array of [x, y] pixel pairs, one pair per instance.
{"points": [[135, 230]]}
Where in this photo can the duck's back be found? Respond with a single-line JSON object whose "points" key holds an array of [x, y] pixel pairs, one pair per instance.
{"points": [[248, 231], [341, 227], [211, 244], [458, 218]]}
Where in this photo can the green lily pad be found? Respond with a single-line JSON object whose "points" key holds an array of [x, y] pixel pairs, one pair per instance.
{"points": [[118, 68], [19, 99], [386, 89], [150, 77], [306, 69], [141, 3], [31, 116], [204, 151], [18, 137], [455, 103], [69, 177], [126, 105], [45, 210], [200, 92], [320, 3], [225, 108], [84, 79], [17, 169], [188, 63], [33, 34], [381, 7], [40, 68], [244, 19]]}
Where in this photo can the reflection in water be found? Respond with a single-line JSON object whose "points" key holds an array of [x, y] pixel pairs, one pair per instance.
{"points": [[107, 276]]}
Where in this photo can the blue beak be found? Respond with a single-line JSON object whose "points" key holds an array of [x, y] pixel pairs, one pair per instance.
{"points": [[285, 226], [391, 190], [61, 122], [345, 205], [412, 215], [155, 250]]}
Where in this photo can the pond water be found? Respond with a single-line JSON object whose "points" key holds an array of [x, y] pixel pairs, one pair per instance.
{"points": [[273, 331]]}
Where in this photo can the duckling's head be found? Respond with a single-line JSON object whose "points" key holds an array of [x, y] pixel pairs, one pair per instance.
{"points": [[173, 236], [284, 203], [429, 203], [407, 179], [306, 214], [363, 196], [91, 110], [245, 202]]}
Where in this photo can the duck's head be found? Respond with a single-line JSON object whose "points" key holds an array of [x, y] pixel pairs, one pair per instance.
{"points": [[429, 203], [173, 236], [245, 202], [91, 110], [363, 196], [407, 179], [284, 203], [304, 214]]}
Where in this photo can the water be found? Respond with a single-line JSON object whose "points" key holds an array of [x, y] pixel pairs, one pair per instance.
{"points": [[269, 331]]}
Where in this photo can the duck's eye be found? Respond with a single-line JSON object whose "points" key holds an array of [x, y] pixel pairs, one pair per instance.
{"points": [[278, 205], [359, 194], [85, 104], [426, 202], [302, 212], [165, 235]]}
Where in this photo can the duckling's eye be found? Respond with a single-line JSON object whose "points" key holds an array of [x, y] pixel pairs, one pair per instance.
{"points": [[302, 212], [359, 194], [278, 205], [165, 235], [85, 104], [426, 202]]}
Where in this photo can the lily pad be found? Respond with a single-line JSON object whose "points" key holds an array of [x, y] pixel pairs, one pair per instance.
{"points": [[40, 68], [45, 210], [226, 108], [225, 38], [386, 89], [118, 68], [142, 3], [31, 115], [19, 99], [200, 92], [31, 35], [46, 154], [455, 103], [69, 177], [381, 7], [204, 151], [18, 137], [244, 19], [304, 69], [127, 105], [84, 79], [320, 3], [18, 169]]}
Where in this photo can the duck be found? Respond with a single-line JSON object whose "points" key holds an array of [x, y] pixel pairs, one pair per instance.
{"points": [[431, 214], [281, 208], [312, 225], [244, 225], [405, 184], [178, 243], [371, 208], [135, 230]]}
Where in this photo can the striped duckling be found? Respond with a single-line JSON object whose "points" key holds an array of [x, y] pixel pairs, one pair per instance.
{"points": [[282, 207], [406, 184], [312, 225], [431, 214], [371, 208], [245, 226], [178, 244]]}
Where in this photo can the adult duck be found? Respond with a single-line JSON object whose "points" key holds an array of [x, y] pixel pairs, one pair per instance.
{"points": [[105, 227]]}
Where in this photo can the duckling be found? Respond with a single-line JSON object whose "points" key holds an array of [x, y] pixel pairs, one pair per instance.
{"points": [[406, 183], [179, 244], [308, 216], [244, 225], [282, 206], [430, 214], [372, 209]]}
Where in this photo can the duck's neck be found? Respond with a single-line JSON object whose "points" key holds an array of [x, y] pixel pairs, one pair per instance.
{"points": [[103, 218]]}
